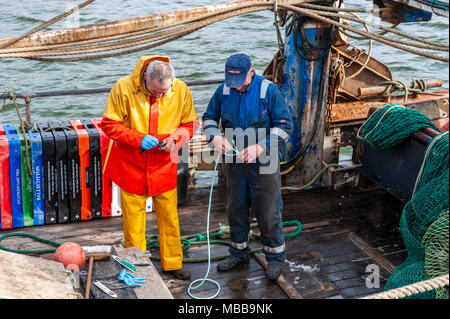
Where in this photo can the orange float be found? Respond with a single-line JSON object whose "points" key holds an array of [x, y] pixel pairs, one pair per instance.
{"points": [[71, 255]]}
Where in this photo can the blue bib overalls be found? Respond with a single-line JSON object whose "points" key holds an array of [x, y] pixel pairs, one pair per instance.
{"points": [[260, 115]]}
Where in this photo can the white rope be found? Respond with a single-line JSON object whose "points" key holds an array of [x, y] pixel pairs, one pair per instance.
{"points": [[419, 175], [413, 289]]}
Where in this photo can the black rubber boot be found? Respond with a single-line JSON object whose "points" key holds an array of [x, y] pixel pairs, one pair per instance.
{"points": [[273, 271], [229, 264], [182, 274]]}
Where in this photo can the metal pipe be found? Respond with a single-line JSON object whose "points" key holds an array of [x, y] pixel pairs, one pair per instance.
{"points": [[90, 91], [375, 90], [28, 107], [421, 137]]}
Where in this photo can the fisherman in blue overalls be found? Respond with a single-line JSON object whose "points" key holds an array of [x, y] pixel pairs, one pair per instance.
{"points": [[256, 122]]}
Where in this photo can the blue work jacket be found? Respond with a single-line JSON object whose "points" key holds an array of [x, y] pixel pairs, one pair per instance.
{"points": [[261, 108]]}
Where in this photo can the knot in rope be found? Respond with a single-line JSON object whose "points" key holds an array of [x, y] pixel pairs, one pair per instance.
{"points": [[24, 125], [392, 87], [200, 237], [225, 230]]}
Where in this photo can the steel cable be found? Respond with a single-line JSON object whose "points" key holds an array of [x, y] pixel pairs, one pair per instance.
{"points": [[171, 35]]}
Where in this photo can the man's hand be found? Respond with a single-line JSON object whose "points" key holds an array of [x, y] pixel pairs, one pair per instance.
{"points": [[169, 145], [221, 144], [251, 153], [149, 142]]}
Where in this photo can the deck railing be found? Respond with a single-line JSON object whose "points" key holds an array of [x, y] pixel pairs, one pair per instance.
{"points": [[29, 96]]}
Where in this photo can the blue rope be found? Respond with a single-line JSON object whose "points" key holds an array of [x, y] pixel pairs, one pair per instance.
{"points": [[438, 4], [190, 288], [435, 3]]}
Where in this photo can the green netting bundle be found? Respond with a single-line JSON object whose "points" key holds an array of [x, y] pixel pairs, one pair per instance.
{"points": [[423, 221], [413, 245], [436, 160], [435, 242], [391, 125], [409, 273], [427, 205]]}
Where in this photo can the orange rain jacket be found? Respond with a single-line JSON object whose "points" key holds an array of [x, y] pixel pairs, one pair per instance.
{"points": [[130, 114]]}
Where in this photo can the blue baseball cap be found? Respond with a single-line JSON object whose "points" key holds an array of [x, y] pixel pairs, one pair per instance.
{"points": [[236, 70]]}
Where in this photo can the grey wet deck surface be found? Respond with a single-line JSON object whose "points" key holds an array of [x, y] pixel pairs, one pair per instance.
{"points": [[341, 265]]}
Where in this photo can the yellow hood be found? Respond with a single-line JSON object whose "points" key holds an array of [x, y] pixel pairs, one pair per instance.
{"points": [[138, 73]]}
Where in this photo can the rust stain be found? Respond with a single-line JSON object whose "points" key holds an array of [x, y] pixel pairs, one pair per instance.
{"points": [[354, 111]]}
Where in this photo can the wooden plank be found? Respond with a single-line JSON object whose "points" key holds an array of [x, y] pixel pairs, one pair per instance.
{"points": [[287, 287], [369, 250]]}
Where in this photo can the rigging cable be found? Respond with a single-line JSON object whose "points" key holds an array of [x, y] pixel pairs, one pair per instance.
{"points": [[320, 15]]}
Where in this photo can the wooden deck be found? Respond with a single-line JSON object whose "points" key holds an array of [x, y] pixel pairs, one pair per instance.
{"points": [[339, 229]]}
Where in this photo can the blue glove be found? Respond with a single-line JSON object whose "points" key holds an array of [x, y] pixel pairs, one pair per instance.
{"points": [[129, 279], [149, 142]]}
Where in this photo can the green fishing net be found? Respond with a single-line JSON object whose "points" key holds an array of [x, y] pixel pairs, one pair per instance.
{"points": [[424, 219], [391, 125], [435, 242]]}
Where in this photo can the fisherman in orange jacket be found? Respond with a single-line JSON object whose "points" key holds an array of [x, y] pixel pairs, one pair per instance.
{"points": [[149, 116]]}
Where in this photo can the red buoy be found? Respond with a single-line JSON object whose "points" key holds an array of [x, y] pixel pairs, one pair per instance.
{"points": [[71, 255]]}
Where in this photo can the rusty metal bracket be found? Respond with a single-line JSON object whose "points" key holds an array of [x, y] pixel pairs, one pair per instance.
{"points": [[27, 98]]}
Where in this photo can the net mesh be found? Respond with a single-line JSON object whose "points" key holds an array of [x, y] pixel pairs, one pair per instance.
{"points": [[424, 219], [391, 125], [435, 242]]}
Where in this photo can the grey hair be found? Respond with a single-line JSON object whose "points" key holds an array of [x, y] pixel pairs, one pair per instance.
{"points": [[160, 70]]}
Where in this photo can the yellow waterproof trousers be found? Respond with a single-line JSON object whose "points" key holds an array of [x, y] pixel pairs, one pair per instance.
{"points": [[134, 218]]}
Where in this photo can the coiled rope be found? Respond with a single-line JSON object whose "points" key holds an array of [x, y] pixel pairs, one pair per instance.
{"points": [[221, 233]]}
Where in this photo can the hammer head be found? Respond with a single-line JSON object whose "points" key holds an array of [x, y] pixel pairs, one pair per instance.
{"points": [[101, 252], [98, 256]]}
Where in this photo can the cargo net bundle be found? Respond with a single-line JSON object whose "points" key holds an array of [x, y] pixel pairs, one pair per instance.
{"points": [[424, 222]]}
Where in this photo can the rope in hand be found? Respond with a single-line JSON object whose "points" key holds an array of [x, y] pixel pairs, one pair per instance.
{"points": [[234, 152]]}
